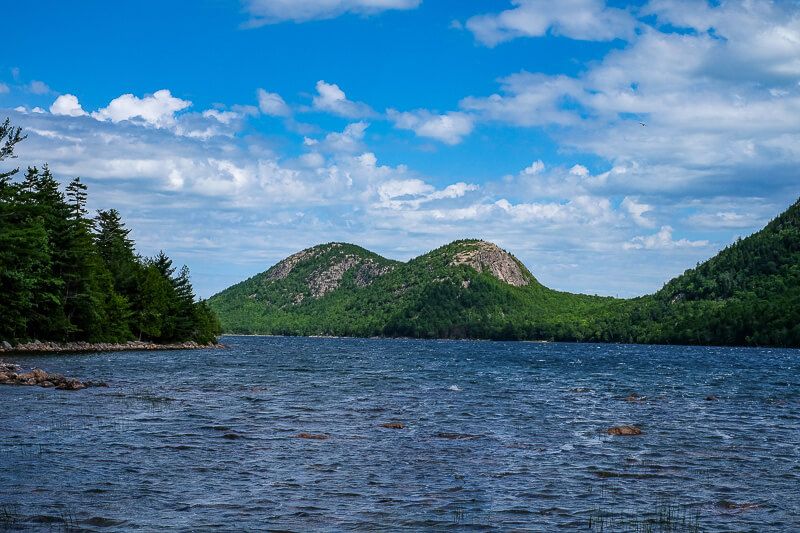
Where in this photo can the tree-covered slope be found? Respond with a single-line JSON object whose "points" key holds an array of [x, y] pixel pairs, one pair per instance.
{"points": [[67, 277], [748, 294], [464, 289]]}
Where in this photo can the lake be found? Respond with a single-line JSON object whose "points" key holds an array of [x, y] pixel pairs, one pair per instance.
{"points": [[497, 436]]}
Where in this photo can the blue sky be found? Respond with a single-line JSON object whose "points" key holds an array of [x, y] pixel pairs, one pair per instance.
{"points": [[233, 133]]}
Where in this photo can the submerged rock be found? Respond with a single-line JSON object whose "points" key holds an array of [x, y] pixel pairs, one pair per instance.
{"points": [[456, 436], [711, 398], [624, 430], [634, 397], [393, 425], [738, 507], [312, 436]]}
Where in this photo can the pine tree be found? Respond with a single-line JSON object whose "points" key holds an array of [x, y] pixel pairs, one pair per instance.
{"points": [[66, 277]]}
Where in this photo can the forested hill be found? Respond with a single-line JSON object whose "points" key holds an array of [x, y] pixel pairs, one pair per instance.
{"points": [[67, 277], [749, 294]]}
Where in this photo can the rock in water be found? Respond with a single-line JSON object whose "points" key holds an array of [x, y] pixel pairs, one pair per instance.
{"points": [[9, 376], [624, 430], [312, 436]]}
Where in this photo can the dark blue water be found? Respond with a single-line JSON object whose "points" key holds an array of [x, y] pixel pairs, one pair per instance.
{"points": [[199, 439]]}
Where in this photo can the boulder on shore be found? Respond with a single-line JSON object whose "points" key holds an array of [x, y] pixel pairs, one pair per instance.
{"points": [[10, 375]]}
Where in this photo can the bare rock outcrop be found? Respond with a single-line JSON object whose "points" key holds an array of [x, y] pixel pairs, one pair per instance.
{"points": [[285, 267], [488, 257], [329, 278]]}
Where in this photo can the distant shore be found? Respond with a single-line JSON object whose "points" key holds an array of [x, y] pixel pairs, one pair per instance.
{"points": [[37, 347]]}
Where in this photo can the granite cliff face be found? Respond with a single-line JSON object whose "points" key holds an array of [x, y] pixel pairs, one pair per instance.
{"points": [[488, 257], [315, 272]]}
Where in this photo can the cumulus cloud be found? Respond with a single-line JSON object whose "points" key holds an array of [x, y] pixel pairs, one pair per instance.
{"points": [[264, 12], [720, 103], [587, 20], [156, 110], [531, 99], [67, 104], [662, 240], [535, 168], [38, 87], [331, 99], [272, 104], [449, 128], [185, 193], [347, 141], [637, 210]]}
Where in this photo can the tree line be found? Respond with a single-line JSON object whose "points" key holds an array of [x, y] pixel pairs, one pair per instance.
{"points": [[65, 276]]}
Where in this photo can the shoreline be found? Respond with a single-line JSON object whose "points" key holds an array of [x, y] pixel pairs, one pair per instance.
{"points": [[33, 348]]}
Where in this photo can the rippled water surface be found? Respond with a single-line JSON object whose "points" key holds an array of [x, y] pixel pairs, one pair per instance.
{"points": [[498, 435]]}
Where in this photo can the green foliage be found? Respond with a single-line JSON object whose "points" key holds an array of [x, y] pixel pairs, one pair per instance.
{"points": [[749, 294], [65, 277]]}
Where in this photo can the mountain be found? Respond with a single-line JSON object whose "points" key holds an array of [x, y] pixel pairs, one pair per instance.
{"points": [[468, 288], [748, 294]]}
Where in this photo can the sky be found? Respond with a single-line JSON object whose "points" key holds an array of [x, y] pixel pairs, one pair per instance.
{"points": [[608, 145]]}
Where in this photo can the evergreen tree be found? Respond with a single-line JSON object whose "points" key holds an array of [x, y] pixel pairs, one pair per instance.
{"points": [[64, 276]]}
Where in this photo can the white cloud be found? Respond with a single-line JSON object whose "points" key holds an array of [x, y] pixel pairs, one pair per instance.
{"points": [[348, 141], [67, 104], [637, 210], [662, 241], [4, 88], [536, 167], [449, 128], [588, 20], [156, 110], [712, 122], [530, 100], [275, 11], [38, 110], [272, 104], [330, 98], [38, 87], [162, 180], [726, 219], [229, 117], [579, 170], [21, 109]]}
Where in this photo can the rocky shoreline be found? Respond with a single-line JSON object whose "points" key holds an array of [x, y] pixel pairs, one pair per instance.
{"points": [[86, 347], [10, 374]]}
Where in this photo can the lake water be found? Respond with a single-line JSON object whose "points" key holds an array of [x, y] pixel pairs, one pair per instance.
{"points": [[498, 436]]}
